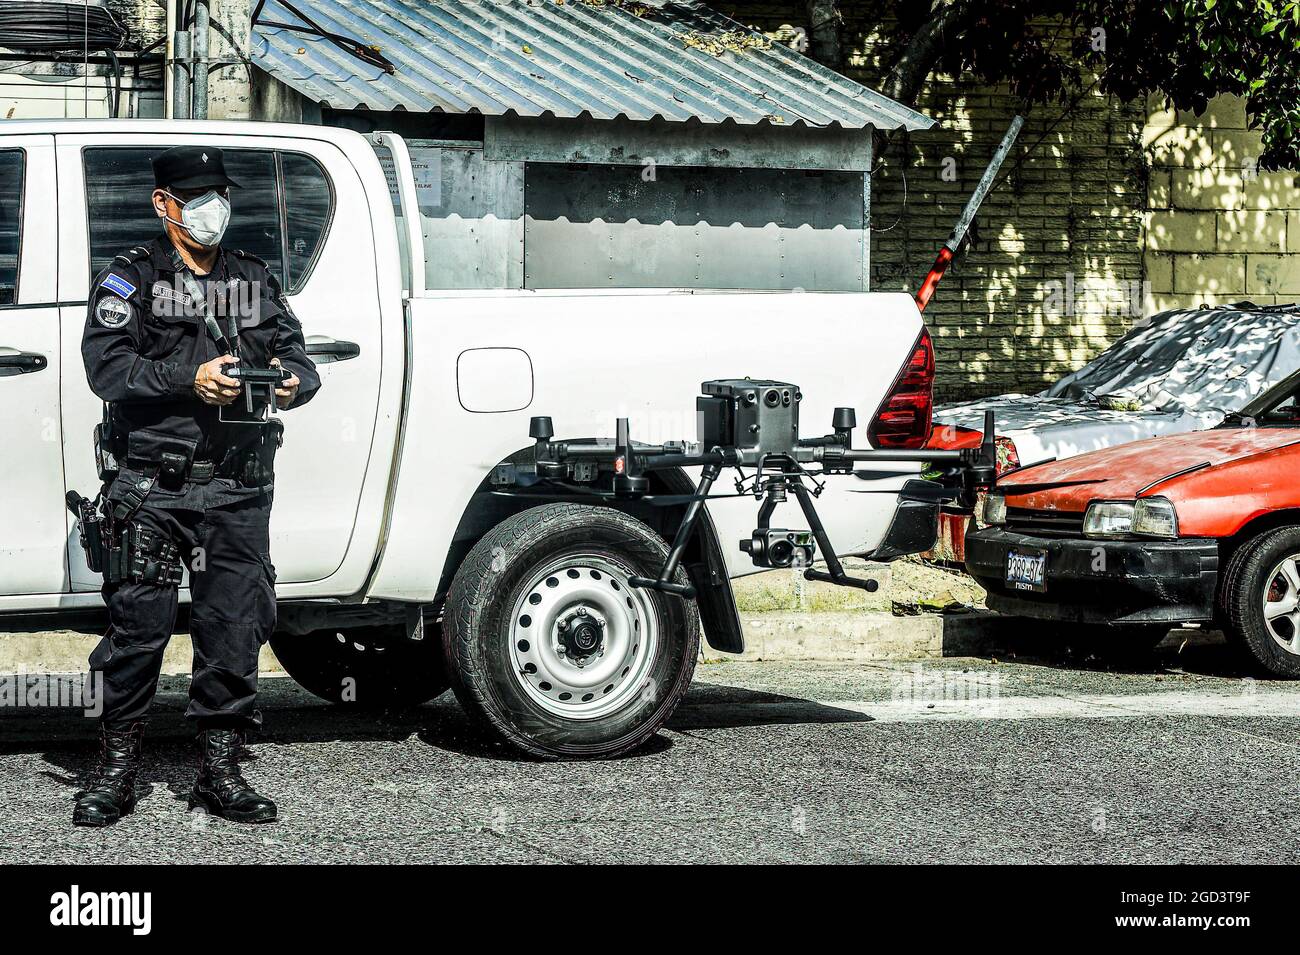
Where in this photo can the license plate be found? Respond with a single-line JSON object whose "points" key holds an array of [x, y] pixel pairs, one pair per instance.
{"points": [[1026, 570]]}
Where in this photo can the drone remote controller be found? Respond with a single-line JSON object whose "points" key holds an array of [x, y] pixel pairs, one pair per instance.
{"points": [[256, 402]]}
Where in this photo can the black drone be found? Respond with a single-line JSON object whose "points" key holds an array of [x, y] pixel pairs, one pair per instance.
{"points": [[752, 426]]}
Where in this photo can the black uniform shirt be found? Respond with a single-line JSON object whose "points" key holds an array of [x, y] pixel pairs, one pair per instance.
{"points": [[144, 341]]}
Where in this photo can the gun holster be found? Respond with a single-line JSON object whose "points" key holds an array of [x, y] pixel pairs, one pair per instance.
{"points": [[92, 528], [121, 549]]}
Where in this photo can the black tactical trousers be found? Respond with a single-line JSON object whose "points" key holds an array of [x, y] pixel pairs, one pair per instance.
{"points": [[232, 589]]}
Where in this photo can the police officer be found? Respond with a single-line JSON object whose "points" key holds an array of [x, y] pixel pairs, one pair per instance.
{"points": [[187, 452]]}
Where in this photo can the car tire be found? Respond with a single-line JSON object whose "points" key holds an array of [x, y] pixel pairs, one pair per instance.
{"points": [[368, 667], [549, 646], [1262, 579]]}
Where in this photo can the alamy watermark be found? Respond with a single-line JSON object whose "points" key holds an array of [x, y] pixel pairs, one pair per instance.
{"points": [[234, 298], [69, 691], [76, 908], [928, 685], [1070, 296]]}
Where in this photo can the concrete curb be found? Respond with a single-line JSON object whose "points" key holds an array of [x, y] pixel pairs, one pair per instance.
{"points": [[787, 635], [65, 651], [856, 636], [829, 637], [849, 637]]}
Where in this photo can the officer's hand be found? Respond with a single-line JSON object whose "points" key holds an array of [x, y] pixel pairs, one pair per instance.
{"points": [[288, 389], [212, 387]]}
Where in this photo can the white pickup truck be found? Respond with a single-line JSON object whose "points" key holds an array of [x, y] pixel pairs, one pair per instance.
{"points": [[399, 570]]}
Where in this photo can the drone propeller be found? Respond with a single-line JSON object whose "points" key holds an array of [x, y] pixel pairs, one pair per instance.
{"points": [[876, 474], [927, 491]]}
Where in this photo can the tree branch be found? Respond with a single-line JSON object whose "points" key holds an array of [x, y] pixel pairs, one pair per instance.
{"points": [[826, 33], [947, 19]]}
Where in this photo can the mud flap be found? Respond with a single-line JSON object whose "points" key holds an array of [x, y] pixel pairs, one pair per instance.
{"points": [[915, 525]]}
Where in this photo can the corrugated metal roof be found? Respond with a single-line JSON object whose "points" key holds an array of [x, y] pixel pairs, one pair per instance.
{"points": [[606, 58]]}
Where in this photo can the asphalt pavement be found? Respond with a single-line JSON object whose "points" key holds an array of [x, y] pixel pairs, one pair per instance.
{"points": [[1030, 758]]}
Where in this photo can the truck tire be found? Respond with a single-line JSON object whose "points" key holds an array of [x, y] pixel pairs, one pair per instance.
{"points": [[367, 667], [549, 646], [1262, 600]]}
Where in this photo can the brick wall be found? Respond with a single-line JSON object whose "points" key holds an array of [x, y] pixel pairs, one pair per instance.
{"points": [[1218, 230], [1056, 274]]}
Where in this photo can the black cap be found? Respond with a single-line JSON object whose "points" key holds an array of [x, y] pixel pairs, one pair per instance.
{"points": [[191, 167]]}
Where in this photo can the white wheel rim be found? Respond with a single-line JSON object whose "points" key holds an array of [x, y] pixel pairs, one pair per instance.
{"points": [[582, 641], [1282, 605]]}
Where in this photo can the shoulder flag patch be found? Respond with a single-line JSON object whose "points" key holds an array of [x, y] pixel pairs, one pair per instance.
{"points": [[117, 285]]}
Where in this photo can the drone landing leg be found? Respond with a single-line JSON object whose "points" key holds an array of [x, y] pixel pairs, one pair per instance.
{"points": [[837, 574]]}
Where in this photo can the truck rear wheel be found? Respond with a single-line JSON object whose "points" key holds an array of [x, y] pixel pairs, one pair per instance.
{"points": [[369, 667], [1262, 600], [548, 644]]}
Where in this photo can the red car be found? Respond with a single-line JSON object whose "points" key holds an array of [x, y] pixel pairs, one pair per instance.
{"points": [[1203, 526]]}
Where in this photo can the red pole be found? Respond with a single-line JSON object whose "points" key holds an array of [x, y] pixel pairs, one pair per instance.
{"points": [[968, 214], [941, 263]]}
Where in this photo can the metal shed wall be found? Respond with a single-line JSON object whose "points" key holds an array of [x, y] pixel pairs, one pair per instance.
{"points": [[692, 227], [497, 224]]}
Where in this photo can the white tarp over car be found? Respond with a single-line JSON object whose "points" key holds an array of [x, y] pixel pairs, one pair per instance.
{"points": [[1180, 370]]}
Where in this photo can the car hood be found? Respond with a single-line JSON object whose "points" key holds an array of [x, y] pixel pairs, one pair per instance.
{"points": [[1042, 428], [1121, 472]]}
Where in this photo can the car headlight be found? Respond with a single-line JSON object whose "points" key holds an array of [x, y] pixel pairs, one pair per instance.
{"points": [[1108, 519], [995, 509], [1155, 517]]}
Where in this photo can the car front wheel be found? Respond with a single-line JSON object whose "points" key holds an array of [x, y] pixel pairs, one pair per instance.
{"points": [[550, 646], [1262, 600]]}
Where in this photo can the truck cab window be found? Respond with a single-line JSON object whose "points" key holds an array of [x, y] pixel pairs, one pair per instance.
{"points": [[255, 207], [308, 205], [119, 182], [11, 222]]}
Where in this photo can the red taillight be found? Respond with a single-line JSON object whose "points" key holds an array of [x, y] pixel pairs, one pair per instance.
{"points": [[903, 420]]}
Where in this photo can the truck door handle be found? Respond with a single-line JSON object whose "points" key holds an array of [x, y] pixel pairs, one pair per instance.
{"points": [[20, 362], [324, 350]]}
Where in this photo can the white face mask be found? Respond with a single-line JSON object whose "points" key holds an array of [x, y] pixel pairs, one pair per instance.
{"points": [[204, 218]]}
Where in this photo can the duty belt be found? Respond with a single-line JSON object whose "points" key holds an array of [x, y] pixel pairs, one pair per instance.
{"points": [[173, 470]]}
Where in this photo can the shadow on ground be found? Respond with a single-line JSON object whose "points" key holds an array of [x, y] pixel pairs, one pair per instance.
{"points": [[711, 706], [66, 738], [1036, 643]]}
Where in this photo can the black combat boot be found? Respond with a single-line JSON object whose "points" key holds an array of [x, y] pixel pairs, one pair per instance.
{"points": [[243, 752], [110, 794], [221, 788]]}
